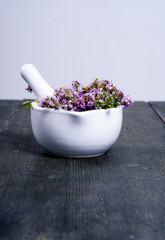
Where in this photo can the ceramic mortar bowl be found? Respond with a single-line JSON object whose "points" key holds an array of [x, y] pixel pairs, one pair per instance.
{"points": [[76, 134]]}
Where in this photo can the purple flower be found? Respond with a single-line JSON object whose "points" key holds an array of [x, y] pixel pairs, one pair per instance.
{"points": [[99, 94], [90, 104], [29, 89], [44, 100], [59, 107], [51, 103]]}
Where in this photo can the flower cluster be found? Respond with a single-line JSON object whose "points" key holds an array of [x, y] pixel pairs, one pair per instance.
{"points": [[99, 94]]}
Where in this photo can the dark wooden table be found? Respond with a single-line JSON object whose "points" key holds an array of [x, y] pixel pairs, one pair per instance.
{"points": [[118, 196]]}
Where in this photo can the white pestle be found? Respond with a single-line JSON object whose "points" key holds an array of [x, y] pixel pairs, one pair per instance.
{"points": [[39, 86]]}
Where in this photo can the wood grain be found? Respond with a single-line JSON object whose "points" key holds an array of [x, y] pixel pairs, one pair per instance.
{"points": [[118, 196], [159, 108], [7, 108]]}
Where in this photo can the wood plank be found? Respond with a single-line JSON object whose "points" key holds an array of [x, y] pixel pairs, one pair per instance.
{"points": [[117, 196], [7, 108], [159, 108]]}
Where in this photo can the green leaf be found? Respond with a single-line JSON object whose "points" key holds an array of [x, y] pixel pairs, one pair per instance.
{"points": [[103, 104], [27, 104], [106, 94], [31, 105], [110, 100]]}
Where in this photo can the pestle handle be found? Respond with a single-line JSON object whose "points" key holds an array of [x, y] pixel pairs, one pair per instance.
{"points": [[39, 86]]}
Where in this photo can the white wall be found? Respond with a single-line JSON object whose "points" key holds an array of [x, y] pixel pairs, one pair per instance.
{"points": [[119, 40]]}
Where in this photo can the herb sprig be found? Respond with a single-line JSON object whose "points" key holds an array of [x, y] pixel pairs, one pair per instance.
{"points": [[99, 94]]}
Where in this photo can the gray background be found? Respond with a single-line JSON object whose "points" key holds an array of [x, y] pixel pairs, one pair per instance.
{"points": [[119, 40]]}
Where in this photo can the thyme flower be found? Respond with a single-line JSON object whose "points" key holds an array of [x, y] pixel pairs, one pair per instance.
{"points": [[29, 89], [99, 94]]}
